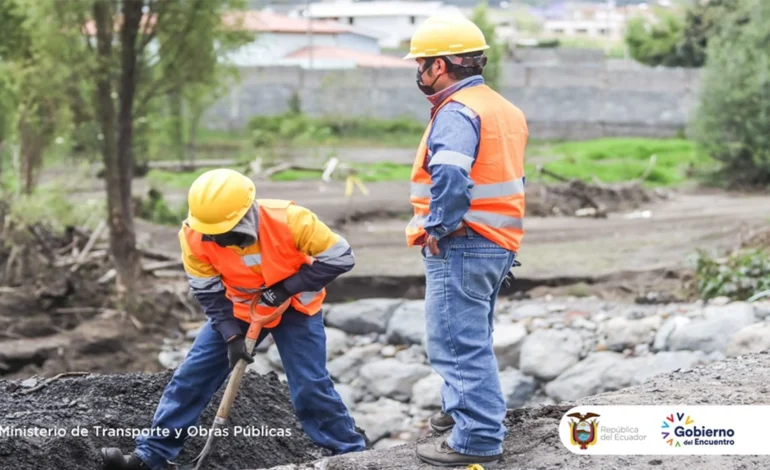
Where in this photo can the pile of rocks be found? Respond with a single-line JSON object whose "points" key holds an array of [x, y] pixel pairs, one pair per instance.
{"points": [[548, 350]]}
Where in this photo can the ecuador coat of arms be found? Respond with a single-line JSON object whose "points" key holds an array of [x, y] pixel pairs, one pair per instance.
{"points": [[583, 433]]}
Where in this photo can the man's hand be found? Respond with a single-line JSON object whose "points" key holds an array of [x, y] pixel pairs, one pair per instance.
{"points": [[275, 295], [432, 243], [236, 350]]}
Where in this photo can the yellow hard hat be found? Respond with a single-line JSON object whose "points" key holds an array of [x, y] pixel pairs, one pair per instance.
{"points": [[446, 35], [218, 199]]}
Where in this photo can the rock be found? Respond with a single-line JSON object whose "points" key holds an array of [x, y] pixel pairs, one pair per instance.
{"points": [[751, 339], [388, 351], [584, 378], [637, 370], [345, 368], [623, 333], [584, 324], [426, 392], [261, 365], [362, 316], [714, 330], [28, 383], [641, 349], [412, 354], [517, 387], [556, 308], [407, 325], [381, 418], [530, 311], [721, 300], [392, 378], [274, 357], [547, 353], [762, 310], [336, 342], [172, 359], [507, 340], [665, 330], [348, 395], [388, 443]]}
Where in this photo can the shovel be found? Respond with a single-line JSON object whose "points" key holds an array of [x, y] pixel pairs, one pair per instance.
{"points": [[223, 413]]}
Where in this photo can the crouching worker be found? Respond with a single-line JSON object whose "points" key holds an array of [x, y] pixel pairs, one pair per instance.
{"points": [[235, 247]]}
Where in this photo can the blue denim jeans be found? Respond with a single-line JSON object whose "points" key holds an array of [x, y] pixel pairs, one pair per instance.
{"points": [[301, 342], [462, 284]]}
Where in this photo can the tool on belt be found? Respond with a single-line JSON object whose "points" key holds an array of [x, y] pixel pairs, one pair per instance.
{"points": [[223, 413], [510, 277]]}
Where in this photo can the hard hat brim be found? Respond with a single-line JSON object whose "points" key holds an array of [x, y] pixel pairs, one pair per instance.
{"points": [[419, 55]]}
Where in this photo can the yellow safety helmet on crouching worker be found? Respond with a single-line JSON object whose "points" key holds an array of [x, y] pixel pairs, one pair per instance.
{"points": [[446, 35], [218, 200]]}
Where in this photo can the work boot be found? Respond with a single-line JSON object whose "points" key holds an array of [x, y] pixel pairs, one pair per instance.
{"points": [[113, 459], [441, 422], [441, 455]]}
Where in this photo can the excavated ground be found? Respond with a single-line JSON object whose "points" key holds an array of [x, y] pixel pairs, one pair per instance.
{"points": [[533, 440], [126, 402]]}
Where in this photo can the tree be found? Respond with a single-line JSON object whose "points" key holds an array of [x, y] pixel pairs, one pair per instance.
{"points": [[733, 115], [181, 34], [101, 65], [655, 43], [494, 53], [672, 41]]}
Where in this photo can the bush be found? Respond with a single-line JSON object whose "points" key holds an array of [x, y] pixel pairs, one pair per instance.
{"points": [[733, 117], [738, 277]]}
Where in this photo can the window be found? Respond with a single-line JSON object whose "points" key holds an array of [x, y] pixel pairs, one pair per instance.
{"points": [[350, 20], [412, 20], [581, 31]]}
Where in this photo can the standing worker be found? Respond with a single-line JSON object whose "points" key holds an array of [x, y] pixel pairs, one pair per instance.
{"points": [[467, 190], [235, 247]]}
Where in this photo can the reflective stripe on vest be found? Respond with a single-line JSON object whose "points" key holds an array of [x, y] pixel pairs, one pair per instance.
{"points": [[497, 194]]}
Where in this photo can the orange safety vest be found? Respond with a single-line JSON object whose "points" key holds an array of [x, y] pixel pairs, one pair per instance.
{"points": [[241, 274], [497, 196]]}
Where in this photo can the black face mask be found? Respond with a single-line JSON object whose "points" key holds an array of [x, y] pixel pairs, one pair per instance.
{"points": [[231, 238], [426, 89]]}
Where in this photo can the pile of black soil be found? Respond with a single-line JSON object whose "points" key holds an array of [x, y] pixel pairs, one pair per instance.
{"points": [[102, 404]]}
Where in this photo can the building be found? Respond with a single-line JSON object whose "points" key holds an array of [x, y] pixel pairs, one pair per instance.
{"points": [[595, 20], [281, 40], [394, 22]]}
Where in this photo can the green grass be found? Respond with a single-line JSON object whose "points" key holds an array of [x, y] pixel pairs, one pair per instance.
{"points": [[608, 160], [614, 160]]}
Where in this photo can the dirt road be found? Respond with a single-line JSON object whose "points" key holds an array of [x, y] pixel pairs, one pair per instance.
{"points": [[533, 441], [552, 247]]}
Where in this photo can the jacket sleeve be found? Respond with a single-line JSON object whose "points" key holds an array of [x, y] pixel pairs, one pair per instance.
{"points": [[332, 254], [207, 288], [452, 150]]}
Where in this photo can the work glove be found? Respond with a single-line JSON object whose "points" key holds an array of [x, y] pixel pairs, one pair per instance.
{"points": [[236, 350], [275, 295], [510, 277]]}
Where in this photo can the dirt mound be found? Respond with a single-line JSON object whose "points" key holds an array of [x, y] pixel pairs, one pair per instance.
{"points": [[101, 403], [576, 197], [58, 309]]}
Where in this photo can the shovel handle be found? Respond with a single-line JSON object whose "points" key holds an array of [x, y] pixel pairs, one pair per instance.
{"points": [[257, 322]]}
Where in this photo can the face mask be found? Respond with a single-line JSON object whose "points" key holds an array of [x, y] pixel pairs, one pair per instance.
{"points": [[232, 238], [426, 89]]}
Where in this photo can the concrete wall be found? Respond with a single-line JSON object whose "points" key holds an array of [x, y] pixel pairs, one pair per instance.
{"points": [[561, 102]]}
